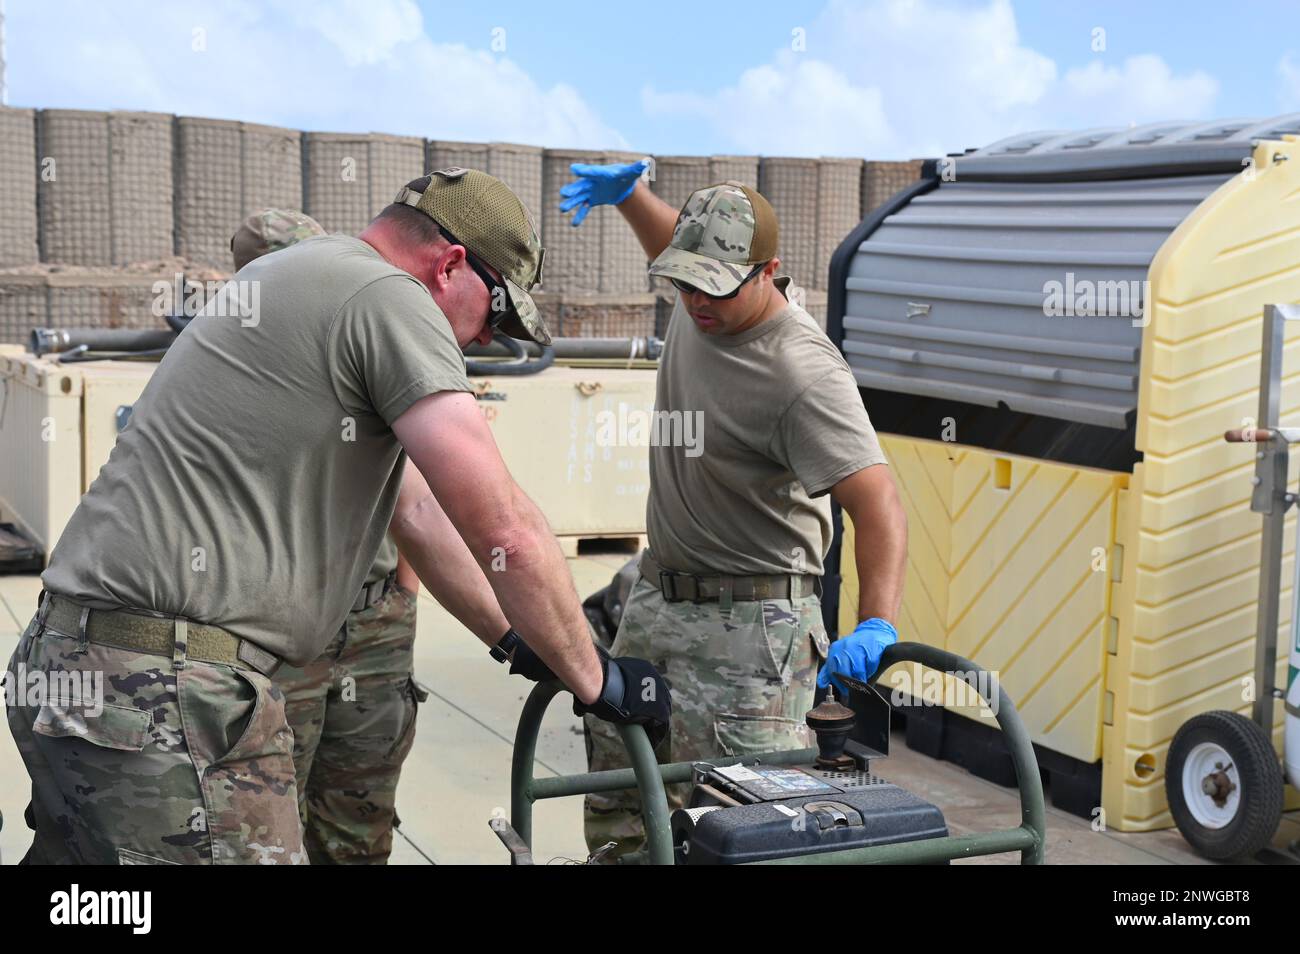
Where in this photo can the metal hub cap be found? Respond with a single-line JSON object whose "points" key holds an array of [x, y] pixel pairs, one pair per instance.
{"points": [[1211, 785]]}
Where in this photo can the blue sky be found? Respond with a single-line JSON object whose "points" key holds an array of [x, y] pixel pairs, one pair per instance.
{"points": [[884, 79]]}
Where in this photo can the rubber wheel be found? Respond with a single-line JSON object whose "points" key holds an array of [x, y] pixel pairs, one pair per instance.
{"points": [[1224, 785]]}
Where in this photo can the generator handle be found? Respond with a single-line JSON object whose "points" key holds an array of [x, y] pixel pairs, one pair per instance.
{"points": [[1029, 783], [648, 777], [649, 780]]}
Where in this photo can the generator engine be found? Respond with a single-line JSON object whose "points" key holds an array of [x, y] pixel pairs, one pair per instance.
{"points": [[757, 812]]}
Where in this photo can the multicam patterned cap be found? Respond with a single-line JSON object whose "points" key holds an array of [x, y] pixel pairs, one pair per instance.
{"points": [[269, 231], [494, 224], [722, 232]]}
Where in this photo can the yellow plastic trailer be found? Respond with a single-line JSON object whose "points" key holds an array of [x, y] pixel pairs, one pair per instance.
{"points": [[1052, 334]]}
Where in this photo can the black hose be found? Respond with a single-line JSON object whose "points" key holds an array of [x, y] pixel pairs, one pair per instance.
{"points": [[81, 353], [178, 323], [519, 364]]}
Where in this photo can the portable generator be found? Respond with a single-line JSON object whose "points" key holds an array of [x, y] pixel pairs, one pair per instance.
{"points": [[822, 805]]}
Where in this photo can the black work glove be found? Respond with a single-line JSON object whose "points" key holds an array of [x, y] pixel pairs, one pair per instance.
{"points": [[633, 693], [524, 662]]}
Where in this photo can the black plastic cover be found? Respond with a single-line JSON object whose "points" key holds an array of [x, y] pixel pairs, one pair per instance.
{"points": [[735, 835]]}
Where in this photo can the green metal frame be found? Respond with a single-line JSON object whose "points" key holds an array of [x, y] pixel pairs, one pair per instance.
{"points": [[649, 778]]}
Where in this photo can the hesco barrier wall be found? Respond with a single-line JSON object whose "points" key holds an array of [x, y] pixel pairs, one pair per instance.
{"points": [[519, 167], [224, 170], [92, 298], [18, 187], [105, 195], [600, 257], [349, 178], [110, 189], [791, 186], [880, 180], [676, 177]]}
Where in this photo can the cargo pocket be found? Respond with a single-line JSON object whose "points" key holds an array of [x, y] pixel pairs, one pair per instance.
{"points": [[116, 727], [751, 735], [413, 695], [780, 638], [237, 718]]}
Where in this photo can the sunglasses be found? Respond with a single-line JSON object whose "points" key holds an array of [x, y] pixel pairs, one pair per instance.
{"points": [[496, 291], [687, 288]]}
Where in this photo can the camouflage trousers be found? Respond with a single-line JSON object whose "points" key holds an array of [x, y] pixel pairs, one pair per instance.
{"points": [[352, 712], [741, 684], [151, 760]]}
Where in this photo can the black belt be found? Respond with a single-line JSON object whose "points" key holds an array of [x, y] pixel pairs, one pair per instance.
{"points": [[372, 593], [678, 587]]}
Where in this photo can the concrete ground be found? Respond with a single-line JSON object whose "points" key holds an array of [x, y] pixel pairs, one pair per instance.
{"points": [[459, 770]]}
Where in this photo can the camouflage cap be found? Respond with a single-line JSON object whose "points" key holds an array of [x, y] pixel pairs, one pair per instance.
{"points": [[722, 232], [495, 226], [269, 231]]}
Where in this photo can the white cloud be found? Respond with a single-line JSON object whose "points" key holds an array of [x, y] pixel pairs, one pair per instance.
{"points": [[334, 65], [1143, 89], [900, 78], [756, 116]]}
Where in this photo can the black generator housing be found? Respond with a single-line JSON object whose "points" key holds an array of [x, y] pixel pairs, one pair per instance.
{"points": [[758, 812]]}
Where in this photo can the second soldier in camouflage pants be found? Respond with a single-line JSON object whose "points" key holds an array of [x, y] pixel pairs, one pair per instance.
{"points": [[741, 684], [352, 712]]}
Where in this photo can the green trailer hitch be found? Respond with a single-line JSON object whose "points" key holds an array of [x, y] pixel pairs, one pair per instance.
{"points": [[649, 778]]}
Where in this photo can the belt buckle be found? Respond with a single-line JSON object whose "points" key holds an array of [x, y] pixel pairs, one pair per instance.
{"points": [[668, 586], [255, 656]]}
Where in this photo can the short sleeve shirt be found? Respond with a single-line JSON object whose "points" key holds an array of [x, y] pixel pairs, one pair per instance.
{"points": [[255, 482], [767, 421]]}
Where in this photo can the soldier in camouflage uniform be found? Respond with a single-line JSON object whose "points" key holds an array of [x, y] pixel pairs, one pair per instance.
{"points": [[269, 231], [242, 751], [242, 508], [727, 605], [352, 711]]}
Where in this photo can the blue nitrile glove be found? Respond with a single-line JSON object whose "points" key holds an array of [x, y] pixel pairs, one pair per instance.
{"points": [[857, 654], [599, 185]]}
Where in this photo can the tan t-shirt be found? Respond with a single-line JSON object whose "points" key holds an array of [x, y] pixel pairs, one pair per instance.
{"points": [[257, 477], [771, 418]]}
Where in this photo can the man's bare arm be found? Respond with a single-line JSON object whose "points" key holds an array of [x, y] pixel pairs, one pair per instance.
{"points": [[446, 437], [870, 498], [651, 218], [432, 548]]}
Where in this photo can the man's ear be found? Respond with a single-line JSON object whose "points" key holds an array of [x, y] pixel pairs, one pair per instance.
{"points": [[770, 269], [443, 260]]}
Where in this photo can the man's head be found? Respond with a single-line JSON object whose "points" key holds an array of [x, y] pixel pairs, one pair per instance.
{"points": [[722, 258], [472, 243], [269, 231]]}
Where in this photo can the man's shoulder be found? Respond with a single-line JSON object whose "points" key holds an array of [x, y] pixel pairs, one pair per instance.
{"points": [[342, 261], [802, 351]]}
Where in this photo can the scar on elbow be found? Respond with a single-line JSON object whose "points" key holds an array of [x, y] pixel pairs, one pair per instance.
{"points": [[515, 551]]}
